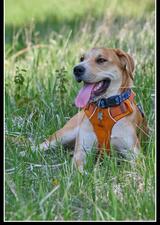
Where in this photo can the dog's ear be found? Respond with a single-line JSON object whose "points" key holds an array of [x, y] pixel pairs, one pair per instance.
{"points": [[126, 61]]}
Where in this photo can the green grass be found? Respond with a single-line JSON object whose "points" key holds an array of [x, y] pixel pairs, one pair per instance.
{"points": [[38, 101]]}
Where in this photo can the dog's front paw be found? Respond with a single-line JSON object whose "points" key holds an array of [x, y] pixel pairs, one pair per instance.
{"points": [[42, 147]]}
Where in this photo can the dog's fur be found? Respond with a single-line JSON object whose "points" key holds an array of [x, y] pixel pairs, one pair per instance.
{"points": [[119, 67]]}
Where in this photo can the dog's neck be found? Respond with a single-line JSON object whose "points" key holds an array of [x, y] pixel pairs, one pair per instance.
{"points": [[116, 88], [112, 91]]}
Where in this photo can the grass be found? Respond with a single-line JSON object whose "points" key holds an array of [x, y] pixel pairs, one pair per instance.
{"points": [[39, 95]]}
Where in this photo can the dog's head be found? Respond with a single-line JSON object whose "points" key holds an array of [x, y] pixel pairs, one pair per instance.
{"points": [[104, 71]]}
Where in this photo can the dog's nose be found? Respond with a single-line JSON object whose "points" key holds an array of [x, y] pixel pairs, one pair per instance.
{"points": [[78, 70]]}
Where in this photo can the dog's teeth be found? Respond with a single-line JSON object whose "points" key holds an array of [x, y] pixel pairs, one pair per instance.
{"points": [[98, 86]]}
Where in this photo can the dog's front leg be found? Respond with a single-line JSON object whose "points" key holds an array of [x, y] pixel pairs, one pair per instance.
{"points": [[84, 142], [125, 140], [66, 135]]}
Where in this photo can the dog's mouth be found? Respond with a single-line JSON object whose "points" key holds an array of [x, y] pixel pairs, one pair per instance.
{"points": [[91, 90], [101, 87]]}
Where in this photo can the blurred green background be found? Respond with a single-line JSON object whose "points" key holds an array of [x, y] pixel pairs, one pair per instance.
{"points": [[62, 16]]}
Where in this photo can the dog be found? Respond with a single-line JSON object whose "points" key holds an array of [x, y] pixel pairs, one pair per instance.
{"points": [[107, 74]]}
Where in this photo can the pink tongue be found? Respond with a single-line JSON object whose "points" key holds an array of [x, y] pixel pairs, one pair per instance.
{"points": [[84, 95]]}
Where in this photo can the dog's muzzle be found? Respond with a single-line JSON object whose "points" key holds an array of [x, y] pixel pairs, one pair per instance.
{"points": [[78, 72]]}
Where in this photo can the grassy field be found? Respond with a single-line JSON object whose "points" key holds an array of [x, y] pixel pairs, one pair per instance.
{"points": [[44, 40]]}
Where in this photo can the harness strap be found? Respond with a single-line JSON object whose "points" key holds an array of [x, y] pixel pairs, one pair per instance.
{"points": [[103, 119]]}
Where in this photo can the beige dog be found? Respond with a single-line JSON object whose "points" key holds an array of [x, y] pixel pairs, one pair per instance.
{"points": [[106, 73]]}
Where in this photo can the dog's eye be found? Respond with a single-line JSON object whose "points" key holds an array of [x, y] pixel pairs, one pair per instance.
{"points": [[82, 58], [101, 60]]}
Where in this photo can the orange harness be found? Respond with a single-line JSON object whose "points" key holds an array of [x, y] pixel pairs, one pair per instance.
{"points": [[103, 119]]}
